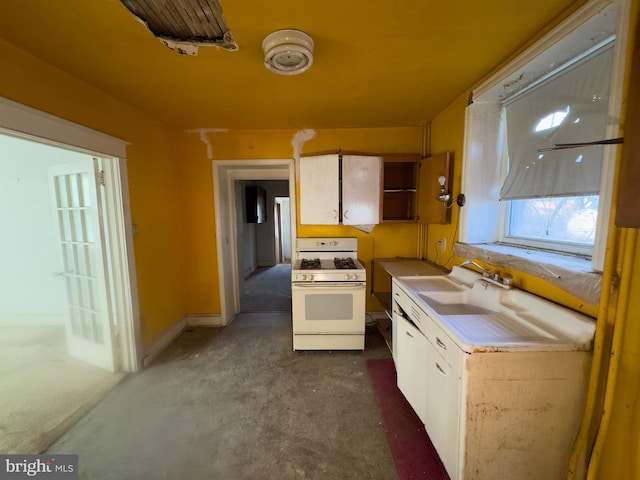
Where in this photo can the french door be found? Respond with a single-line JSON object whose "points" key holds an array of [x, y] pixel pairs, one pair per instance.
{"points": [[77, 202]]}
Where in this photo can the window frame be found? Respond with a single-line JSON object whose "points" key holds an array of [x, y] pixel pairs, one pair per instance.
{"points": [[483, 216]]}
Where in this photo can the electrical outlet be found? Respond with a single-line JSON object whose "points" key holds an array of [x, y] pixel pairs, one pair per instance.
{"points": [[442, 244]]}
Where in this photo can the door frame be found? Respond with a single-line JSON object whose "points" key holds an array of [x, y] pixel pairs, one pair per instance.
{"points": [[225, 173], [21, 121]]}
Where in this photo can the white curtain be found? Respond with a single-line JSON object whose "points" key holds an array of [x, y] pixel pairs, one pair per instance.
{"points": [[569, 107]]}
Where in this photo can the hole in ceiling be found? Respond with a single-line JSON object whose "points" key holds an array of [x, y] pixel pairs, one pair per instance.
{"points": [[184, 25]]}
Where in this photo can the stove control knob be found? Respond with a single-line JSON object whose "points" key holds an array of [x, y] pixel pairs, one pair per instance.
{"points": [[310, 278]]}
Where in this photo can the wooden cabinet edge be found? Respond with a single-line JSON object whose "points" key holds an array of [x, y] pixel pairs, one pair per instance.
{"points": [[430, 210]]}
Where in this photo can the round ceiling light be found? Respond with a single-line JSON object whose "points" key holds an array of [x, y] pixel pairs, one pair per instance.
{"points": [[288, 52]]}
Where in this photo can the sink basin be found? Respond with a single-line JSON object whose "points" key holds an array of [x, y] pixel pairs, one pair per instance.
{"points": [[447, 298], [481, 313]]}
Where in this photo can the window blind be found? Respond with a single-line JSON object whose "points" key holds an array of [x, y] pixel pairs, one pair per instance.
{"points": [[569, 107]]}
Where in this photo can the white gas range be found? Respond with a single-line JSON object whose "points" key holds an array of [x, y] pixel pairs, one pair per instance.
{"points": [[328, 286]]}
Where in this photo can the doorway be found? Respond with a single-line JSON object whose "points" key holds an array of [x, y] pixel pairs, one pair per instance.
{"points": [[265, 263], [228, 205], [50, 224]]}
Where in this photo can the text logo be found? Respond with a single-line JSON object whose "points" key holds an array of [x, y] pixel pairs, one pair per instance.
{"points": [[50, 467]]}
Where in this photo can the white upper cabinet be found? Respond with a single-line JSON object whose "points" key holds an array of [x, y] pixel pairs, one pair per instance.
{"points": [[319, 190], [361, 181], [323, 191]]}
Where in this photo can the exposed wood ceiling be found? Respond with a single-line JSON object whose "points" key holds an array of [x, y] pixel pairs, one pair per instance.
{"points": [[376, 63]]}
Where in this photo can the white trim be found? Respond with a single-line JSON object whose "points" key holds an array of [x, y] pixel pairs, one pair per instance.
{"points": [[225, 173], [612, 131], [122, 265], [480, 219], [29, 121], [587, 26], [25, 122], [203, 320], [163, 341]]}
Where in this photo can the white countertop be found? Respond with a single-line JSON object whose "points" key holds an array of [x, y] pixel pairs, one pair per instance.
{"points": [[479, 316]]}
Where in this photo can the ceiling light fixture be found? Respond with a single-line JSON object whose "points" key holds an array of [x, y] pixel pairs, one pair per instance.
{"points": [[288, 52]]}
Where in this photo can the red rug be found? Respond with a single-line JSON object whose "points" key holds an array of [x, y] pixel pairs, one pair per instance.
{"points": [[412, 451]]}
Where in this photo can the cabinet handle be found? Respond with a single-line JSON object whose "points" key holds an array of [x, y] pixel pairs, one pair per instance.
{"points": [[345, 214], [441, 343], [441, 370], [409, 334], [335, 213]]}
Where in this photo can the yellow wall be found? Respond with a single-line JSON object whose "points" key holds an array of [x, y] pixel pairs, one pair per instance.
{"points": [[172, 205], [152, 169], [200, 252]]}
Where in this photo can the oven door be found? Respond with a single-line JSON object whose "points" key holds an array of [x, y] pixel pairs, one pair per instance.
{"points": [[328, 307]]}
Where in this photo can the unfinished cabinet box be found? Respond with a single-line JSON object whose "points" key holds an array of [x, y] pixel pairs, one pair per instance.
{"points": [[431, 210], [410, 188], [400, 188], [256, 204]]}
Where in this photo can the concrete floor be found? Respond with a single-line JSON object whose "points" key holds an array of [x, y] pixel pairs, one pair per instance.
{"points": [[237, 403]]}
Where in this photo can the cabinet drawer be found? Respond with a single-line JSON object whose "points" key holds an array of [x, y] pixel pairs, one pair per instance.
{"points": [[444, 345]]}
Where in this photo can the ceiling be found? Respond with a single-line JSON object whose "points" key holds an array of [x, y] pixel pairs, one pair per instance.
{"points": [[376, 63]]}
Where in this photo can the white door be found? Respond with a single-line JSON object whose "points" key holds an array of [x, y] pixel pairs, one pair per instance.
{"points": [[77, 205]]}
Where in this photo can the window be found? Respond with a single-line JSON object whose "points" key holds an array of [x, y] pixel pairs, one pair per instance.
{"points": [[552, 196], [563, 89]]}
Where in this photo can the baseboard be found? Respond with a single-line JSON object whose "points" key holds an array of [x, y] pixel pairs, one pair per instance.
{"points": [[204, 320], [163, 341]]}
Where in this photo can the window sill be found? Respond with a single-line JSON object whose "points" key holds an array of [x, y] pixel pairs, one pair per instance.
{"points": [[572, 274]]}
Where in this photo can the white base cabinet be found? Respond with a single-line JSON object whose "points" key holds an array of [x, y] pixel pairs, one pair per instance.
{"points": [[489, 414], [442, 410], [412, 356]]}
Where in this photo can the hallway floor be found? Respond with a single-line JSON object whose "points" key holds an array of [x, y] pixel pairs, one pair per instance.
{"points": [[268, 289], [238, 403]]}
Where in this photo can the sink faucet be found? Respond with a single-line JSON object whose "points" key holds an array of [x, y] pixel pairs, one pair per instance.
{"points": [[485, 271], [491, 277]]}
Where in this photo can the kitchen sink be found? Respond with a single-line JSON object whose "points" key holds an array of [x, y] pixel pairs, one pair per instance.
{"points": [[481, 313]]}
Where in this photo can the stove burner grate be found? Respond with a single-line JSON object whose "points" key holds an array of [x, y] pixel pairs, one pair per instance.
{"points": [[310, 264], [344, 263]]}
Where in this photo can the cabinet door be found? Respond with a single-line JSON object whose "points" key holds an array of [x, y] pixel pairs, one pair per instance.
{"points": [[431, 210], [361, 179], [442, 409], [319, 190], [411, 361]]}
